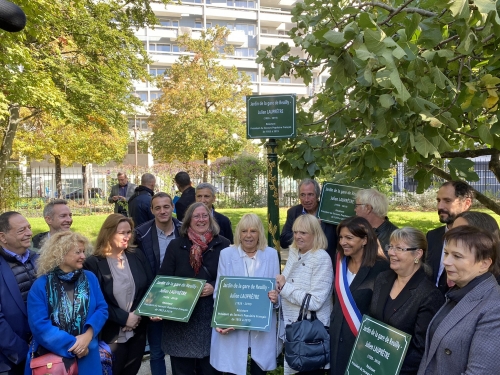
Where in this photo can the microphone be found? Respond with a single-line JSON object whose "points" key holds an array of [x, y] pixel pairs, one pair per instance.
{"points": [[12, 18]]}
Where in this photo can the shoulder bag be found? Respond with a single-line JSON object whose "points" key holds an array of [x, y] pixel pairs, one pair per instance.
{"points": [[52, 364], [307, 342]]}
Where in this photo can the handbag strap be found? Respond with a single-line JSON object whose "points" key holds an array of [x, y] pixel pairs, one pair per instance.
{"points": [[304, 307]]}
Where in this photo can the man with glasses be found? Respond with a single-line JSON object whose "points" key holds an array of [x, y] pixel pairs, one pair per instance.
{"points": [[121, 193], [373, 206], [453, 198], [309, 193]]}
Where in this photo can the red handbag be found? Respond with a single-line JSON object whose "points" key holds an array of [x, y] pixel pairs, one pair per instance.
{"points": [[52, 364]]}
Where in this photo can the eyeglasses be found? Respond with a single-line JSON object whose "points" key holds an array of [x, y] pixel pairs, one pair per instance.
{"points": [[398, 249], [198, 217]]}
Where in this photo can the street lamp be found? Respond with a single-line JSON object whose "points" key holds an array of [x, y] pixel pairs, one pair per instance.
{"points": [[135, 95]]}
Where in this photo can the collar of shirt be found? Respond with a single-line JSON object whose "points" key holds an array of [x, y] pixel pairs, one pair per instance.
{"points": [[243, 254], [22, 258], [162, 232]]}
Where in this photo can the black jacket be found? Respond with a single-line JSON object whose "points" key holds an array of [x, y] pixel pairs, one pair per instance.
{"points": [[143, 277], [433, 258], [415, 307], [38, 239], [341, 337], [146, 239], [139, 205], [286, 236], [225, 226], [188, 197]]}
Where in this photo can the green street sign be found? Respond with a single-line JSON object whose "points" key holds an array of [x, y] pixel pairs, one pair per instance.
{"points": [[271, 116], [379, 349], [172, 298], [242, 303], [337, 202]]}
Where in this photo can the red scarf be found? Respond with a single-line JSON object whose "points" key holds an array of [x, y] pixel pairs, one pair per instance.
{"points": [[200, 245]]}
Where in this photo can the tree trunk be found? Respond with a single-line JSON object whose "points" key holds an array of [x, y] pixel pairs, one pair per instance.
{"points": [[85, 185], [205, 170], [57, 162], [8, 140]]}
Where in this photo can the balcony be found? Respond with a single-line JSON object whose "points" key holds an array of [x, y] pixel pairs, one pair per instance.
{"points": [[217, 12], [237, 38], [274, 17], [160, 32], [279, 88], [174, 10], [273, 40]]}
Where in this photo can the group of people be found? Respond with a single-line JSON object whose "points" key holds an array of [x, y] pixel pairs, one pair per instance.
{"points": [[78, 302]]}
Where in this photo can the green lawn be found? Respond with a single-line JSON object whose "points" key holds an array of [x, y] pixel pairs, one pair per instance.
{"points": [[90, 225]]}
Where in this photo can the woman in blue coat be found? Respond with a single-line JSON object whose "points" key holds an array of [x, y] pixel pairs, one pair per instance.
{"points": [[66, 309]]}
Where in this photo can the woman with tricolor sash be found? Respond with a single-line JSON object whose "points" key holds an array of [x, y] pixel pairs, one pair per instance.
{"points": [[307, 270], [358, 262]]}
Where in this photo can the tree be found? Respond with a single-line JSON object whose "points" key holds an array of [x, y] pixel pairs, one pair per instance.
{"points": [[201, 110], [71, 67], [408, 80]]}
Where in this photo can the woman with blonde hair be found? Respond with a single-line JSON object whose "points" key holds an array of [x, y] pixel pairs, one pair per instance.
{"points": [[124, 276], [250, 257], [66, 309], [308, 270]]}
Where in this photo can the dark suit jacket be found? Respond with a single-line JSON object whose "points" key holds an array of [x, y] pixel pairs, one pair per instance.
{"points": [[415, 307], [115, 190], [143, 277], [286, 236], [434, 253], [38, 239], [225, 226], [188, 197], [341, 337], [14, 329]]}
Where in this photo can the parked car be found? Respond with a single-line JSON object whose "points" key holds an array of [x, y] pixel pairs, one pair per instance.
{"points": [[78, 194]]}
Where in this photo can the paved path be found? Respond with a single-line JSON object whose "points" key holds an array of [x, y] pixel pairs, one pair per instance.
{"points": [[145, 370]]}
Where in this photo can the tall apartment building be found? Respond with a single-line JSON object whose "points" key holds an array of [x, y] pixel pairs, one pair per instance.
{"points": [[254, 25]]}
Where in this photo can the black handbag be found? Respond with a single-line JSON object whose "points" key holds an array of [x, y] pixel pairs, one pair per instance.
{"points": [[307, 342]]}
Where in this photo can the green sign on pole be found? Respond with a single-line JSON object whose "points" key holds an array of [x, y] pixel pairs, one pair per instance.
{"points": [[242, 303], [379, 349], [271, 116], [337, 202], [172, 298]]}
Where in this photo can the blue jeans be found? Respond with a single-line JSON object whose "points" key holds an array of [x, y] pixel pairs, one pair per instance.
{"points": [[157, 357]]}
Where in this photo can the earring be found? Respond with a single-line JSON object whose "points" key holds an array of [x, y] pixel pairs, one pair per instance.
{"points": [[416, 260]]}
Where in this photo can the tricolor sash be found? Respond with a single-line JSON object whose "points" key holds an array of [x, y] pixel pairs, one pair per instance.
{"points": [[351, 312]]}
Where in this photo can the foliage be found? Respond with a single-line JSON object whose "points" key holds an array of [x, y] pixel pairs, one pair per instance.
{"points": [[9, 192], [70, 71], [200, 112], [414, 80], [245, 171]]}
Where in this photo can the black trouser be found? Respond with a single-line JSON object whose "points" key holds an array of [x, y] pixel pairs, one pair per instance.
{"points": [[312, 372], [254, 369], [188, 366], [15, 369], [127, 356]]}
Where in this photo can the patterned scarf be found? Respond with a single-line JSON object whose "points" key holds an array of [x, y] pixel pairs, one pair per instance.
{"points": [[200, 245], [68, 315]]}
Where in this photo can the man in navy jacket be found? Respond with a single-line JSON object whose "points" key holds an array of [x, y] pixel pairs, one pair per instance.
{"points": [[17, 274], [205, 193], [153, 238]]}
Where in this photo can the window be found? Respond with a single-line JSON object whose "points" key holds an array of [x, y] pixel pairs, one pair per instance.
{"points": [[143, 95], [247, 29], [155, 95], [252, 75], [197, 24], [155, 72], [244, 52], [264, 31], [241, 3], [169, 23], [176, 48], [208, 25], [141, 122], [159, 47]]}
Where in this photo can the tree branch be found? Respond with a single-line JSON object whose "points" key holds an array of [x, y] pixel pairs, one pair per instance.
{"points": [[487, 202], [327, 118], [392, 14], [422, 12], [470, 153]]}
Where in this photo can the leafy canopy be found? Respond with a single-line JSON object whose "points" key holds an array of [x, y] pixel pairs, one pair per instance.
{"points": [[414, 80], [202, 105]]}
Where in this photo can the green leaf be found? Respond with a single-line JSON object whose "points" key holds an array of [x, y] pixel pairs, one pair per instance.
{"points": [[404, 95], [335, 38], [411, 24], [363, 54], [424, 179], [485, 135], [487, 6], [308, 155], [374, 41], [366, 22], [460, 8], [311, 169], [386, 100], [424, 147]]}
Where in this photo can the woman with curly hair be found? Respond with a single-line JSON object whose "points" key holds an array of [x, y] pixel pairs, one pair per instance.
{"points": [[124, 276], [66, 309]]}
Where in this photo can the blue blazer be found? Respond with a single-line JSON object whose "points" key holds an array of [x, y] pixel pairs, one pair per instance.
{"points": [[58, 341], [14, 329]]}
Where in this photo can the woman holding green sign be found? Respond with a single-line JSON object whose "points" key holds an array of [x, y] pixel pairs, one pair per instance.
{"points": [[403, 296], [251, 257], [195, 255]]}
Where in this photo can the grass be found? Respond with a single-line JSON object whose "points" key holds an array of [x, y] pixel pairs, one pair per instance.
{"points": [[89, 225]]}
